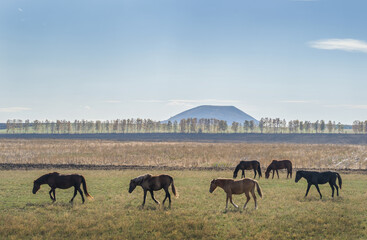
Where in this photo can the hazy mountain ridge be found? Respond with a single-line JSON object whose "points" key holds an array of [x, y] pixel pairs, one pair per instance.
{"points": [[227, 113]]}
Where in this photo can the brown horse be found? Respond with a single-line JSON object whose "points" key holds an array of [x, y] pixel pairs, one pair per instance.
{"points": [[231, 186], [247, 165], [154, 183], [55, 180], [275, 165]]}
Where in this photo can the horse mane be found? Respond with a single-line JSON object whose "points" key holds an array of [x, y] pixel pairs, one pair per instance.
{"points": [[44, 178], [139, 180]]}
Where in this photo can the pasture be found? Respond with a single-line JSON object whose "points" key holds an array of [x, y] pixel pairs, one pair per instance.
{"points": [[179, 154], [283, 212]]}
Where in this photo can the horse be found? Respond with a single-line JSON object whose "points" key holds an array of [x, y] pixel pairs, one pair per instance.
{"points": [[231, 186], [154, 183], [316, 178], [275, 165], [247, 165], [55, 180]]}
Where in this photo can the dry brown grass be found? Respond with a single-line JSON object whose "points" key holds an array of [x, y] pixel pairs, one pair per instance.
{"points": [[179, 154]]}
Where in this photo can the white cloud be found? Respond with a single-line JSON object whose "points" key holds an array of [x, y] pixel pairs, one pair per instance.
{"points": [[296, 101], [112, 101], [347, 106], [20, 9], [14, 109], [87, 107], [350, 45], [150, 101], [191, 102]]}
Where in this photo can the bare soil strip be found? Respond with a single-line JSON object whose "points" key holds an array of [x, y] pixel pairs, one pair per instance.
{"points": [[309, 138]]}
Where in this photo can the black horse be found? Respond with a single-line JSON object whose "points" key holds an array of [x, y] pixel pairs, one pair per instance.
{"points": [[316, 178], [154, 183], [55, 180], [247, 165]]}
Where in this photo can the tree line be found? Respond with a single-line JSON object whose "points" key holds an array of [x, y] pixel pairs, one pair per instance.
{"points": [[189, 125]]}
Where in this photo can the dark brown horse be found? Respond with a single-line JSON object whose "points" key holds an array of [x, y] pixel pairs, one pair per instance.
{"points": [[154, 183], [231, 186], [282, 164], [247, 165], [55, 180]]}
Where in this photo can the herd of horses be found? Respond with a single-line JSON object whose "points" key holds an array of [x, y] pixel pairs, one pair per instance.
{"points": [[151, 183]]}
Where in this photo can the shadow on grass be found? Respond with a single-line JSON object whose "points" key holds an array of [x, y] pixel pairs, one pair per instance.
{"points": [[317, 199], [239, 210], [48, 205]]}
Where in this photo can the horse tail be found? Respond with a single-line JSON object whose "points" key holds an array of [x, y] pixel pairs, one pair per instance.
{"points": [[258, 189], [259, 169], [174, 189], [290, 168], [340, 180], [85, 188]]}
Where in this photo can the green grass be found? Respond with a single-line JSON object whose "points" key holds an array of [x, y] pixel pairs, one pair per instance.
{"points": [[283, 213]]}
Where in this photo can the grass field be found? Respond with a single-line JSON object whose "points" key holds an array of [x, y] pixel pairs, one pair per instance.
{"points": [[179, 154], [115, 214]]}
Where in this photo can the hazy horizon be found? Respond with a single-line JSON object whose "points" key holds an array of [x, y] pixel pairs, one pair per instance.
{"points": [[288, 59]]}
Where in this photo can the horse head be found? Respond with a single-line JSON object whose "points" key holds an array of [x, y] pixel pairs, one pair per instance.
{"points": [[213, 185], [133, 185], [138, 181], [267, 173], [36, 187], [298, 176]]}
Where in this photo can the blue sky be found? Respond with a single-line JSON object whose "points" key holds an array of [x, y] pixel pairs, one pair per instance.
{"points": [[293, 59]]}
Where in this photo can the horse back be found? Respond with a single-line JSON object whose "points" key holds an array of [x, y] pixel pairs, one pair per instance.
{"points": [[65, 181], [241, 186], [157, 182], [248, 165], [284, 164]]}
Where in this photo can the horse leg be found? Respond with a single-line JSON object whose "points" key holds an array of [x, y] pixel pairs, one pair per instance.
{"points": [[255, 173], [230, 198], [81, 194], [332, 189], [75, 192], [317, 187], [308, 189], [243, 173], [155, 200], [337, 189], [53, 190], [273, 174], [51, 195], [277, 173], [227, 202], [248, 199], [145, 196], [167, 196], [254, 196]]}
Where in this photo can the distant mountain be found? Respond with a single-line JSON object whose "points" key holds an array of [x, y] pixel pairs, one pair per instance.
{"points": [[227, 113]]}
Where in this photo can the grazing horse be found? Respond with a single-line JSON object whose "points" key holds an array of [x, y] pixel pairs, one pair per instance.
{"points": [[154, 183], [231, 186], [316, 178], [247, 165], [275, 165], [55, 180]]}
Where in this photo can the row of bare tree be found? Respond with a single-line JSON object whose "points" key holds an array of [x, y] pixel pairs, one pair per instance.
{"points": [[190, 125]]}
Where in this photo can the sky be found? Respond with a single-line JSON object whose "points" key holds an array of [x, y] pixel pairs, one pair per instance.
{"points": [[292, 59]]}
